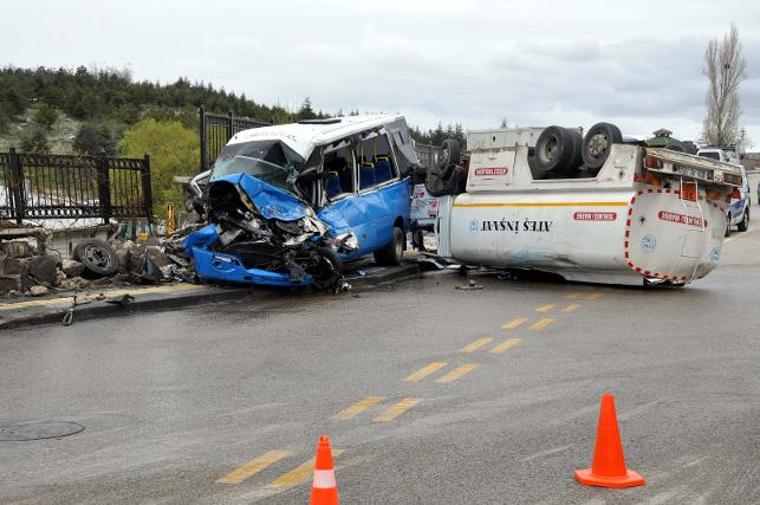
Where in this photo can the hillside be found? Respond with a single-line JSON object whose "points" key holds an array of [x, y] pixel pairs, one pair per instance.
{"points": [[80, 110]]}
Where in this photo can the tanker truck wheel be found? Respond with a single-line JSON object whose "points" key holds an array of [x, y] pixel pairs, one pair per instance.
{"points": [[448, 158], [598, 143], [558, 150]]}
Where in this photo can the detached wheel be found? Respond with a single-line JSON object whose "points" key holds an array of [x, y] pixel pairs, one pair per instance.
{"points": [[393, 253], [744, 224], [98, 258], [557, 150], [598, 143]]}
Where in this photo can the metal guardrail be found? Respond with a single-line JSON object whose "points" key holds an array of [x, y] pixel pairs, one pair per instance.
{"points": [[50, 186]]}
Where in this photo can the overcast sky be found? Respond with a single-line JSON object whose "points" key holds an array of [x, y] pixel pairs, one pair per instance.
{"points": [[636, 63]]}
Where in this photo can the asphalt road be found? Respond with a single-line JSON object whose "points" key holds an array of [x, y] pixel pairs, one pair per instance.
{"points": [[223, 404]]}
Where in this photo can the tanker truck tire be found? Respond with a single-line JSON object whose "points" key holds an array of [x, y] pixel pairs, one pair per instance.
{"points": [[598, 143], [448, 157], [555, 152]]}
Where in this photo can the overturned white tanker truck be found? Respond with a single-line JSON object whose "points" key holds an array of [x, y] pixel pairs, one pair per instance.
{"points": [[602, 209]]}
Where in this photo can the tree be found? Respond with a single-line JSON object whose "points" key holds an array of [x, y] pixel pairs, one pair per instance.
{"points": [[34, 140], [743, 142], [95, 138], [173, 150], [725, 69], [306, 111], [46, 116]]}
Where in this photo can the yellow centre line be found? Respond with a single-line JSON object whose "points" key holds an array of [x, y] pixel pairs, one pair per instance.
{"points": [[253, 467], [574, 296], [457, 373], [424, 372], [474, 346], [301, 473], [545, 308], [357, 408], [514, 323], [572, 307], [397, 409], [506, 345], [593, 296], [543, 323]]}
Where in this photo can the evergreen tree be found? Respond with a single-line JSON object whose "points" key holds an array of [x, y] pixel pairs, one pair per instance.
{"points": [[95, 138]]}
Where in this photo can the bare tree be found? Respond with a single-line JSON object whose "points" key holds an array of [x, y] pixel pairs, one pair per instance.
{"points": [[725, 69], [743, 142]]}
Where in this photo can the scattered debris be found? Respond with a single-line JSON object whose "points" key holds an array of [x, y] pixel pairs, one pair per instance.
{"points": [[470, 286], [72, 268], [123, 300], [38, 291]]}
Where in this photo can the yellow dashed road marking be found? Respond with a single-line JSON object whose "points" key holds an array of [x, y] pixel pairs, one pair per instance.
{"points": [[514, 323], [474, 346], [506, 345], [425, 371], [301, 473], [545, 308], [542, 323], [397, 409], [593, 296], [357, 408], [574, 296], [572, 307], [457, 373], [253, 467]]}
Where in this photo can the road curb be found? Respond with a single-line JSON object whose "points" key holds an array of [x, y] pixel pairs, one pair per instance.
{"points": [[153, 302]]}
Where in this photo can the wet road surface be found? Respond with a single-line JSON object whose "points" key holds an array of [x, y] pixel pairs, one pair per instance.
{"points": [[430, 395]]}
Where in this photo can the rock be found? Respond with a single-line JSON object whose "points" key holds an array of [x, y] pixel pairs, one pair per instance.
{"points": [[60, 276], [16, 248], [75, 283], [38, 291], [72, 268], [14, 265], [123, 257], [9, 283], [40, 270], [135, 261]]}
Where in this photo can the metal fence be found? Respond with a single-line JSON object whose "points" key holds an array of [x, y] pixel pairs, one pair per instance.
{"points": [[48, 186], [427, 154], [217, 129]]}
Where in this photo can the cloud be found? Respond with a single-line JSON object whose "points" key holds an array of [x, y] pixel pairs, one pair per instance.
{"points": [[637, 64]]}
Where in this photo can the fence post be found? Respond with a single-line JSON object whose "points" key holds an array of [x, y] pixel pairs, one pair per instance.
{"points": [[204, 138], [18, 201], [104, 186], [147, 194], [230, 126]]}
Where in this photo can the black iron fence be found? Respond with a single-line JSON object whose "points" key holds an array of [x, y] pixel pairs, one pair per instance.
{"points": [[49, 186], [217, 129]]}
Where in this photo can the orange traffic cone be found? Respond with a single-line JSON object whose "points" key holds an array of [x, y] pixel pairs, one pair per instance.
{"points": [[324, 490], [608, 468]]}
